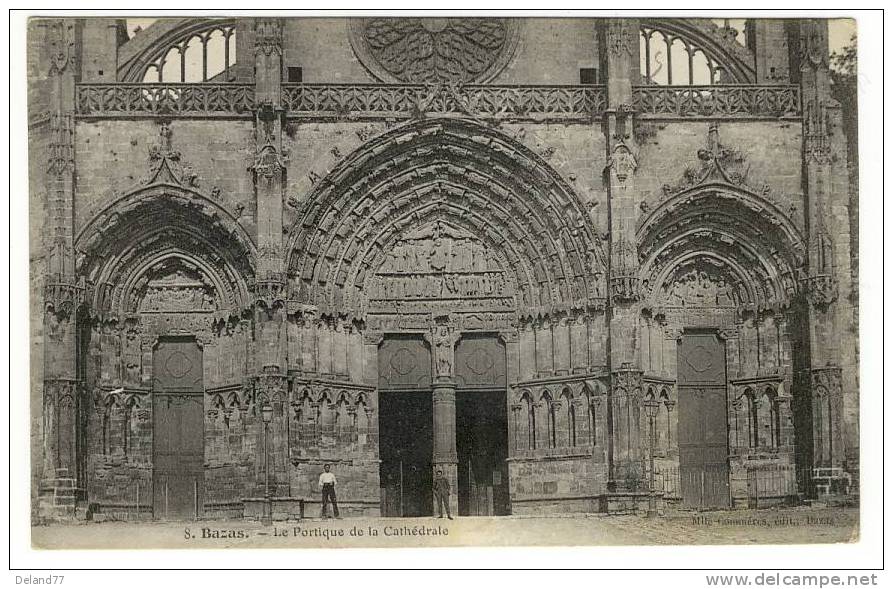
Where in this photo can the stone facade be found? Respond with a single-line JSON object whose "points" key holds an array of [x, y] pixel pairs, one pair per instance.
{"points": [[585, 286]]}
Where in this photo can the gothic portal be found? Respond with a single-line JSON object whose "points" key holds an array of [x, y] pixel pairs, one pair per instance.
{"points": [[517, 251]]}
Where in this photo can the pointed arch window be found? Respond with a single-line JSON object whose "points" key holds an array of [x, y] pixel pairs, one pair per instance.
{"points": [[197, 51]]}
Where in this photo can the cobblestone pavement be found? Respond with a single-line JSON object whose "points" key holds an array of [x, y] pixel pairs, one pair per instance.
{"points": [[776, 526]]}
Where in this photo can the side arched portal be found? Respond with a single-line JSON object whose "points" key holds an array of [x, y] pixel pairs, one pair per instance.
{"points": [[171, 273], [721, 274]]}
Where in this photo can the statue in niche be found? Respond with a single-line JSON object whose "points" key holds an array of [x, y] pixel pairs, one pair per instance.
{"points": [[443, 351], [439, 254], [461, 256], [724, 297], [676, 298]]}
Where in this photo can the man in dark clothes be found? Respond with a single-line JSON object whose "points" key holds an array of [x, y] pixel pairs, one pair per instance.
{"points": [[442, 493]]}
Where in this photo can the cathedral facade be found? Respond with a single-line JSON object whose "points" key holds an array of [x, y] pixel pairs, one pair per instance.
{"points": [[576, 264]]}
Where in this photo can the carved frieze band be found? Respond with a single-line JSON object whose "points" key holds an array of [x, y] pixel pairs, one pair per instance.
{"points": [[121, 100], [343, 100], [411, 100], [499, 102], [717, 101]]}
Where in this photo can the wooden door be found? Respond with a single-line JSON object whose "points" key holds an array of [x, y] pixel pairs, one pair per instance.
{"points": [[178, 407], [703, 422]]}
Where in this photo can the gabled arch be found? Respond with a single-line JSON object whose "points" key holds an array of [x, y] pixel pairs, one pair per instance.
{"points": [[458, 172], [164, 224]]}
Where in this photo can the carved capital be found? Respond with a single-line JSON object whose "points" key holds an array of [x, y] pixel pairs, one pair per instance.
{"points": [[63, 298], [270, 292], [820, 290], [509, 336], [373, 337], [727, 333], [627, 380], [271, 386], [825, 380], [625, 288]]}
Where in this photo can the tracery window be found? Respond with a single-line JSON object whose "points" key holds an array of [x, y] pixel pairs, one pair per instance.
{"points": [[202, 51], [669, 60], [668, 56]]}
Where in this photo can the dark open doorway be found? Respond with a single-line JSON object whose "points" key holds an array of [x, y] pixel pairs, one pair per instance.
{"points": [[406, 447], [482, 445]]}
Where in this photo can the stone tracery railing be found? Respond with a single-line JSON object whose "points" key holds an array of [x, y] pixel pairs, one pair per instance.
{"points": [[359, 101], [346, 101], [484, 101], [117, 100], [744, 101]]}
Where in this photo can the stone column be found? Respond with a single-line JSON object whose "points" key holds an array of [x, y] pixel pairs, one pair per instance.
{"points": [[63, 293], [826, 267], [445, 457], [270, 291], [511, 340], [624, 397]]}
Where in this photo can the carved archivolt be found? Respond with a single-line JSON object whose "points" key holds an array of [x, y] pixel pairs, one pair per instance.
{"points": [[434, 50], [165, 248], [414, 200]]}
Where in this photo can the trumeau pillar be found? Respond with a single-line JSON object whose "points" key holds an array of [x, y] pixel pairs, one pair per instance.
{"points": [[512, 341], [63, 294], [820, 285], [269, 179], [443, 347], [625, 466]]}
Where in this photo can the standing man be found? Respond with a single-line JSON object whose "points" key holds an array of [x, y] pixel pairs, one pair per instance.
{"points": [[442, 493], [327, 482]]}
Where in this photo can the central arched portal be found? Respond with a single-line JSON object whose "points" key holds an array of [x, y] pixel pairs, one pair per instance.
{"points": [[439, 241], [440, 276]]}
